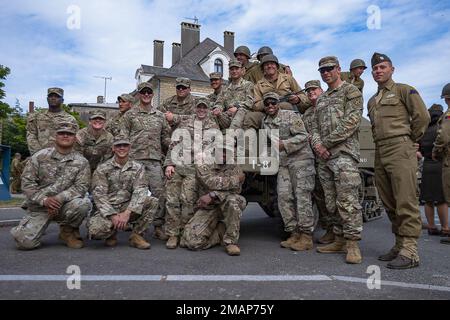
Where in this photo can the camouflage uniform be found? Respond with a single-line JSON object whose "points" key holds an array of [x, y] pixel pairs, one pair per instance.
{"points": [[48, 174], [181, 189], [116, 188], [350, 78], [296, 172], [201, 232], [337, 119], [184, 107], [95, 149]]}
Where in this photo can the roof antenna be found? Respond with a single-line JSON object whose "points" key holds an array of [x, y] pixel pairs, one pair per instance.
{"points": [[195, 19]]}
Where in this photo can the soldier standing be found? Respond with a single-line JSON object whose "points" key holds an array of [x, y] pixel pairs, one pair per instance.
{"points": [[243, 55], [357, 68], [119, 189], [114, 124], [216, 81], [148, 131], [94, 142], [399, 119], [296, 172], [16, 172], [335, 140], [220, 207], [55, 182], [41, 124], [441, 148]]}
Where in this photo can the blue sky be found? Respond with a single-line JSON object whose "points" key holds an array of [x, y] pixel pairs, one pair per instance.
{"points": [[116, 36]]}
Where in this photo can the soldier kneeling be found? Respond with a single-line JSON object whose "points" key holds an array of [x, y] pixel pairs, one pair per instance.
{"points": [[120, 193]]}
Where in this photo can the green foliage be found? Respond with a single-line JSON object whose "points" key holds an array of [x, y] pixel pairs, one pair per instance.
{"points": [[5, 109], [15, 133], [75, 114]]}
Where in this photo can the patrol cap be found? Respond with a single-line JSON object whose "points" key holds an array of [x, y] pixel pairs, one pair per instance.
{"points": [[269, 58], [67, 127], [125, 97], [215, 75], [97, 114], [202, 101], [144, 85], [234, 63], [244, 50], [312, 84], [357, 63], [436, 107], [446, 91], [329, 61], [271, 95], [58, 91], [120, 139], [183, 82], [379, 58]]}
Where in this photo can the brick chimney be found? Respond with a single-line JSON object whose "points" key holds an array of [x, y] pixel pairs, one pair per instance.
{"points": [[31, 107], [176, 52], [158, 53], [190, 37], [228, 41]]}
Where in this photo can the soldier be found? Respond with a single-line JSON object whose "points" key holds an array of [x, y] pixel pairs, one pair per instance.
{"points": [[181, 186], [234, 101], [399, 119], [119, 189], [41, 124], [220, 207], [313, 91], [183, 103], [149, 133], [114, 124], [357, 68], [441, 148], [94, 142], [243, 55], [217, 84], [16, 172], [296, 173], [335, 140], [55, 182], [257, 73]]}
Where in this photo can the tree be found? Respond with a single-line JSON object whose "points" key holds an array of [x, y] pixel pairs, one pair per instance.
{"points": [[5, 109]]}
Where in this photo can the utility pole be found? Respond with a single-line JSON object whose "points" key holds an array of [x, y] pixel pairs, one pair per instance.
{"points": [[104, 78]]}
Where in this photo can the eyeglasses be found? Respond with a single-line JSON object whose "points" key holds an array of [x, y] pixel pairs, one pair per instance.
{"points": [[270, 102], [181, 88], [144, 92], [326, 69]]}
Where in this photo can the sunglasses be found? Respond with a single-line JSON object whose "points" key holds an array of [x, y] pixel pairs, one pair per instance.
{"points": [[181, 88], [149, 92], [64, 133], [269, 102], [326, 69]]}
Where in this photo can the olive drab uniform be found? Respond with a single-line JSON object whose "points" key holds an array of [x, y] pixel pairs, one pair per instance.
{"points": [[16, 171], [250, 69], [399, 119], [202, 231], [95, 149], [336, 125], [442, 150], [296, 172], [350, 78]]}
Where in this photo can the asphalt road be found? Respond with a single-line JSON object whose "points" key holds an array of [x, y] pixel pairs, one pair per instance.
{"points": [[263, 271]]}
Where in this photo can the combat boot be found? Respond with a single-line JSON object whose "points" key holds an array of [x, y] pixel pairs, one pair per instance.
{"points": [[327, 238], [77, 233], [68, 235], [445, 241], [233, 250], [172, 243], [159, 234], [137, 241], [303, 242], [402, 262], [337, 246], [353, 252], [391, 255], [288, 243], [112, 240]]}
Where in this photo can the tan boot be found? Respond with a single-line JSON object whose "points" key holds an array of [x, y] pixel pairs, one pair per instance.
{"points": [[304, 242], [77, 233], [172, 243], [338, 246], [137, 241], [159, 234], [327, 238], [112, 240], [233, 250], [287, 243], [68, 235], [353, 253]]}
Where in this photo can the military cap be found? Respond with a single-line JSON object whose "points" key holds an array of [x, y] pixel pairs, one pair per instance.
{"points": [[58, 91], [379, 58], [183, 82], [269, 58], [67, 127], [215, 75], [234, 63], [202, 101], [329, 61], [120, 139], [144, 85], [244, 50], [125, 97], [97, 114], [436, 107], [312, 84], [357, 63], [446, 91], [271, 95]]}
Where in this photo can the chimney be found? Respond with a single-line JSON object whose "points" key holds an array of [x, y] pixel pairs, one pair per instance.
{"points": [[176, 52], [100, 99], [158, 53], [190, 37], [228, 41], [31, 107]]}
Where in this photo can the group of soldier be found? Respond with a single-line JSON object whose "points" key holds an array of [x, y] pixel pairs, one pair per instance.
{"points": [[125, 173]]}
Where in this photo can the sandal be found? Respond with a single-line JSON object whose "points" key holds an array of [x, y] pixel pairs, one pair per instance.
{"points": [[434, 232], [445, 233]]}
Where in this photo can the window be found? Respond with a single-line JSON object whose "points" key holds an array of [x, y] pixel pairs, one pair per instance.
{"points": [[218, 66]]}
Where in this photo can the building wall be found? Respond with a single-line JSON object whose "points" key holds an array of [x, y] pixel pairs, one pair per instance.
{"points": [[165, 88], [84, 112]]}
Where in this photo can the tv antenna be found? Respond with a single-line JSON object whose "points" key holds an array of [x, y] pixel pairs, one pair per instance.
{"points": [[104, 78], [195, 19]]}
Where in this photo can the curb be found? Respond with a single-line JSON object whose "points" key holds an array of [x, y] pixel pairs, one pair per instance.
{"points": [[9, 223]]}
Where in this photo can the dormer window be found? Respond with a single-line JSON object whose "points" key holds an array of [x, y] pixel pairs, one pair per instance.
{"points": [[218, 66]]}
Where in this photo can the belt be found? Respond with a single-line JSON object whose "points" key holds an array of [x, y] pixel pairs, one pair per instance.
{"points": [[398, 139]]}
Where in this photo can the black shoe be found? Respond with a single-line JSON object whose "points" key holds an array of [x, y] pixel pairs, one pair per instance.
{"points": [[391, 255], [402, 262], [445, 241]]}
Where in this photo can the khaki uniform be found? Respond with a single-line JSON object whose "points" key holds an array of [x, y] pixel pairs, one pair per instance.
{"points": [[442, 150], [350, 78], [116, 188], [201, 232], [181, 189], [49, 174], [399, 119], [184, 107], [16, 172], [95, 149], [296, 172], [41, 128], [257, 74], [337, 119], [250, 72]]}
